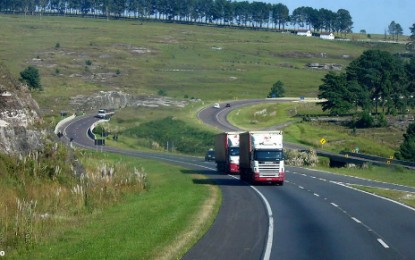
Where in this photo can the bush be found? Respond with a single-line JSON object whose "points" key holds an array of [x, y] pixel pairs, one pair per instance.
{"points": [[30, 75], [162, 92], [300, 158], [382, 121], [366, 121]]}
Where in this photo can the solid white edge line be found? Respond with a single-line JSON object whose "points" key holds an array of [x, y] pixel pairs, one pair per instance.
{"points": [[356, 220], [383, 243], [268, 248], [375, 195]]}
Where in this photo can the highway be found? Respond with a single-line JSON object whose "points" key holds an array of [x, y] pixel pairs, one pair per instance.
{"points": [[315, 215]]}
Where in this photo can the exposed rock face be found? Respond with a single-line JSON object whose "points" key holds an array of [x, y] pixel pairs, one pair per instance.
{"points": [[119, 99], [18, 114]]}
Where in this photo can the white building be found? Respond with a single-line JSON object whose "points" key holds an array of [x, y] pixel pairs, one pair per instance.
{"points": [[327, 36], [304, 33]]}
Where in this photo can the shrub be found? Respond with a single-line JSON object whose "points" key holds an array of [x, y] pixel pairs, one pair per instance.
{"points": [[365, 121], [30, 75], [162, 92], [300, 158]]}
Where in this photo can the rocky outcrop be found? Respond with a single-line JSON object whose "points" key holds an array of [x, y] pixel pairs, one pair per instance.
{"points": [[18, 115], [120, 99]]}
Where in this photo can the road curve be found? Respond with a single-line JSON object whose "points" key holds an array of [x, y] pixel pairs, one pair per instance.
{"points": [[319, 216], [316, 215], [241, 207]]}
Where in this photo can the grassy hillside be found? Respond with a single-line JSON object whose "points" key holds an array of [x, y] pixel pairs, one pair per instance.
{"points": [[78, 56], [81, 56]]}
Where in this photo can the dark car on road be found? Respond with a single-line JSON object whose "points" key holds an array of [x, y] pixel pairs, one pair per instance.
{"points": [[210, 155]]}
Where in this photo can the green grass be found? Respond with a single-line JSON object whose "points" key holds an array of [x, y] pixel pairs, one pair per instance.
{"points": [[142, 226], [392, 174], [341, 138], [378, 141], [262, 116], [143, 58], [407, 198]]}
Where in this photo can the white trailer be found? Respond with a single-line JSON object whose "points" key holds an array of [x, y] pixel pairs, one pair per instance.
{"points": [[262, 157]]}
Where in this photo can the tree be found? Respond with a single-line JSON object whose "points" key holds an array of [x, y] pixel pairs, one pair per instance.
{"points": [[344, 23], [280, 15], [410, 74], [407, 148], [391, 28], [412, 29], [398, 31], [395, 29], [30, 75], [277, 90], [335, 90], [381, 74]]}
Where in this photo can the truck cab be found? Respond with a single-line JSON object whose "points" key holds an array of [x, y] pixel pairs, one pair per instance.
{"points": [[262, 157]]}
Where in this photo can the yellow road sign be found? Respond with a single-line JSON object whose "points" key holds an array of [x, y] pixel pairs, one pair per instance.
{"points": [[323, 141]]}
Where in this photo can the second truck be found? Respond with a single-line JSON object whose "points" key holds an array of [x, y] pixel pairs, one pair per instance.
{"points": [[262, 157], [227, 152]]}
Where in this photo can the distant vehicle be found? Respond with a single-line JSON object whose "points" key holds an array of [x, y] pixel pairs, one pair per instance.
{"points": [[228, 105], [104, 113], [210, 155], [216, 105]]}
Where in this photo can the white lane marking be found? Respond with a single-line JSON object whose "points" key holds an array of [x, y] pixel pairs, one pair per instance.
{"points": [[383, 243], [386, 246], [268, 248], [356, 220], [377, 196], [301, 187]]}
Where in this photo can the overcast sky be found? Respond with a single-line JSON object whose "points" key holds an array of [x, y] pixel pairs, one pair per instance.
{"points": [[374, 16]]}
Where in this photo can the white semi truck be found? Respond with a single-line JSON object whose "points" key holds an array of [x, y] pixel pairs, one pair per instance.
{"points": [[262, 157], [227, 152]]}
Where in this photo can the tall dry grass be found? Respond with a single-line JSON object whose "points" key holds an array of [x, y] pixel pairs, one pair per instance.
{"points": [[40, 197]]}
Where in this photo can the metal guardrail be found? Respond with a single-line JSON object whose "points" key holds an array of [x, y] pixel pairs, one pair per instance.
{"points": [[388, 161]]}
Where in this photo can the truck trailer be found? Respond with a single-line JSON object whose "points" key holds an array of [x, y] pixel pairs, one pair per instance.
{"points": [[227, 152], [261, 157]]}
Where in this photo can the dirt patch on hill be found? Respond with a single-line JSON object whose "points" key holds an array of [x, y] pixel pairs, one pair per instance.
{"points": [[120, 99]]}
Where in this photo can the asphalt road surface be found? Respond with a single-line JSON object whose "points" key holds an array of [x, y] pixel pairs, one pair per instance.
{"points": [[315, 215]]}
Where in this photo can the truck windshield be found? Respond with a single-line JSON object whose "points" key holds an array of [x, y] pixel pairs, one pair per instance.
{"points": [[268, 155], [234, 151]]}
